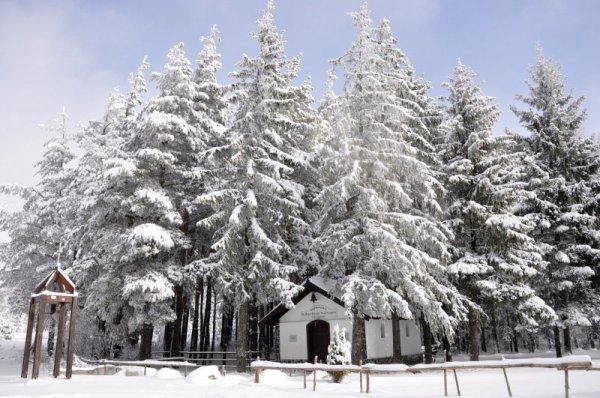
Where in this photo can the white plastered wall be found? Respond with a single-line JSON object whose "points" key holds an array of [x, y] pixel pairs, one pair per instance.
{"points": [[292, 330]]}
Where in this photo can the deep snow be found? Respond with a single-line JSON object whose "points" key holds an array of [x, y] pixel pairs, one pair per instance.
{"points": [[531, 383]]}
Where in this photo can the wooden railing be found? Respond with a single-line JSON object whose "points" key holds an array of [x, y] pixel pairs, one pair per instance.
{"points": [[149, 363], [580, 362], [224, 359]]}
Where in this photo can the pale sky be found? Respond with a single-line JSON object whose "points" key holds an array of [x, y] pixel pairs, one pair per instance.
{"points": [[72, 53]]}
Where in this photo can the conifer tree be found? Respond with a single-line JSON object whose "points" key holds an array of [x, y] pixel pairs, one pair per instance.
{"points": [[563, 206], [381, 237], [494, 258], [39, 232], [257, 193]]}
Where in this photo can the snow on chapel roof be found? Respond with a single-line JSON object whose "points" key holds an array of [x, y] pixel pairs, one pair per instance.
{"points": [[314, 284]]}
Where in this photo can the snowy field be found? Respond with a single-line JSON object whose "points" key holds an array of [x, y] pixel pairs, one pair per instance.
{"points": [[538, 383]]}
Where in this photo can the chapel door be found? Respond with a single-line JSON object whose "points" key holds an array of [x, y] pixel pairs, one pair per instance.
{"points": [[317, 339]]}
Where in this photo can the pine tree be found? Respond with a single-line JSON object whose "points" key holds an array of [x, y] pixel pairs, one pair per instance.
{"points": [[380, 232], [105, 177], [494, 259], [39, 232], [338, 352], [257, 192], [562, 208]]}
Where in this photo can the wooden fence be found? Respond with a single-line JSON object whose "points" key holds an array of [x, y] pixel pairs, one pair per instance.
{"points": [[581, 362], [223, 359], [148, 364]]}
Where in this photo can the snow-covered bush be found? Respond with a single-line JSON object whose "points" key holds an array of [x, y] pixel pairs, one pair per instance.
{"points": [[338, 352]]}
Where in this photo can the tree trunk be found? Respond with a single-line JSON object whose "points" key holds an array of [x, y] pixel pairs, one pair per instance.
{"points": [[447, 348], [194, 338], [427, 341], [185, 322], [205, 336], [226, 323], [557, 345], [167, 339], [495, 332], [214, 323], [567, 339], [474, 341], [242, 337], [146, 343], [483, 340], [253, 325], [359, 350], [176, 342], [514, 334], [396, 339]]}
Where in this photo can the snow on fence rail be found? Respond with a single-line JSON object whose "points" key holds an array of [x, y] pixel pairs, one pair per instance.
{"points": [[574, 362], [149, 363]]}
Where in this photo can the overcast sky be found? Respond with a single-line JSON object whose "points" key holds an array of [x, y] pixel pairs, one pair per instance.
{"points": [[72, 53]]}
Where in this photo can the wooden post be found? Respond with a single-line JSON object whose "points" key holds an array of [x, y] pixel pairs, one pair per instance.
{"points": [[37, 356], [456, 380], [360, 375], [566, 382], [445, 383], [145, 367], [368, 382], [315, 380], [28, 336], [507, 383], [257, 372], [62, 319], [445, 376], [71, 348], [304, 371]]}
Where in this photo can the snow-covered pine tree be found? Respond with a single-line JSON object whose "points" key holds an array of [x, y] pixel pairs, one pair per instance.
{"points": [[563, 208], [425, 117], [493, 258], [41, 232], [381, 237], [42, 226], [211, 102], [257, 174], [338, 352], [167, 137], [99, 223]]}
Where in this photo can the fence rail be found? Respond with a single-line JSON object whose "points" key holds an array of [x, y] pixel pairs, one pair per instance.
{"points": [[580, 362], [225, 359]]}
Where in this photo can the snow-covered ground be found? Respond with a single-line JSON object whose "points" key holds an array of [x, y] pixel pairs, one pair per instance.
{"points": [[538, 383]]}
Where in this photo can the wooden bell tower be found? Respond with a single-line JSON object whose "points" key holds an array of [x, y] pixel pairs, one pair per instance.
{"points": [[56, 289]]}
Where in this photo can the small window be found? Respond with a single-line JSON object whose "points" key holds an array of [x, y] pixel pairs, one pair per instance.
{"points": [[293, 338], [382, 331], [407, 330]]}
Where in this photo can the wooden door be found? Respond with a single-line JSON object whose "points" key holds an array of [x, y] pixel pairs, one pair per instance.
{"points": [[317, 339]]}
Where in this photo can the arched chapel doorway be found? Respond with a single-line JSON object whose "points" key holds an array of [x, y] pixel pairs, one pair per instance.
{"points": [[317, 339]]}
